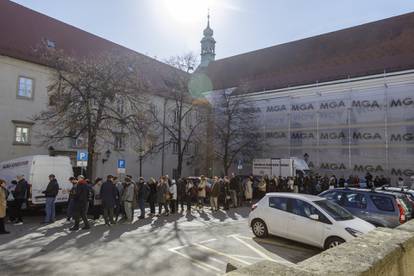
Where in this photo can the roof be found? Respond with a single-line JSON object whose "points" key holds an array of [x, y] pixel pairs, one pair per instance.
{"points": [[385, 45], [22, 30], [298, 196]]}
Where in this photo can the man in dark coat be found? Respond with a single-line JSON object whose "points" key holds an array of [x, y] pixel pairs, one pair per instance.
{"points": [[143, 192], [20, 197], [51, 192], [109, 197], [181, 193], [81, 201]]}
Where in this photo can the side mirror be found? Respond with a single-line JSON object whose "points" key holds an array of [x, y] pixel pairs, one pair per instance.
{"points": [[314, 217]]}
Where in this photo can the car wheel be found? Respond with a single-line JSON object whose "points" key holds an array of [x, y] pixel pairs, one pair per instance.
{"points": [[259, 228], [333, 242]]}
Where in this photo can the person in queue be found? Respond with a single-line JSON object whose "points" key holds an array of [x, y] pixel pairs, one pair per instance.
{"points": [[81, 204], [3, 207]]}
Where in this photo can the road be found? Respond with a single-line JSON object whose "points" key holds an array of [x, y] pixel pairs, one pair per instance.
{"points": [[200, 243]]}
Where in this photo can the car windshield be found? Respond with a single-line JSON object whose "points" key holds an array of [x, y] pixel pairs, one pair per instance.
{"points": [[334, 210]]}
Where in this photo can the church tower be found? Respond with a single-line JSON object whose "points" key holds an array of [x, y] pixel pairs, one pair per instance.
{"points": [[208, 45]]}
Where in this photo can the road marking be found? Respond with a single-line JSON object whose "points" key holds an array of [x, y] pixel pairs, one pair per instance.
{"points": [[199, 264], [180, 247], [273, 242], [248, 257], [207, 241], [222, 254], [260, 253], [217, 260]]}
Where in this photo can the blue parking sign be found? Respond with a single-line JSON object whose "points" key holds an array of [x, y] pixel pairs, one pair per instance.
{"points": [[121, 164], [82, 156]]}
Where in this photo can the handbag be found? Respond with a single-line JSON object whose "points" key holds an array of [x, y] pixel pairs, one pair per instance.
{"points": [[168, 196]]}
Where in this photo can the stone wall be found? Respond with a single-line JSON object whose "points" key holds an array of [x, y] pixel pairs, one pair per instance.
{"points": [[383, 251]]}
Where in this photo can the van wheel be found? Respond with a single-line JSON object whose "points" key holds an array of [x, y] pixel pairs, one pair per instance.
{"points": [[333, 242], [259, 228]]}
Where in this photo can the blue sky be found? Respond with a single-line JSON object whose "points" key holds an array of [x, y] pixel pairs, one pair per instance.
{"points": [[164, 28]]}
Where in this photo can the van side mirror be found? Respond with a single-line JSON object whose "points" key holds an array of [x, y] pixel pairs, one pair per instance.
{"points": [[314, 217]]}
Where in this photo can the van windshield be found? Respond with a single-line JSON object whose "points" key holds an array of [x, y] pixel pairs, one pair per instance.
{"points": [[334, 210]]}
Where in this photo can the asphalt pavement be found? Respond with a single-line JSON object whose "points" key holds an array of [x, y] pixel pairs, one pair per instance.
{"points": [[200, 243]]}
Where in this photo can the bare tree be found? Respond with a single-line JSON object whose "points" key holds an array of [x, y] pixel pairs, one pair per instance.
{"points": [[182, 118], [235, 128], [92, 97]]}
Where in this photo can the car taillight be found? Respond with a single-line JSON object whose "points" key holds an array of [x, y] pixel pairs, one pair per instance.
{"points": [[402, 213], [254, 206]]}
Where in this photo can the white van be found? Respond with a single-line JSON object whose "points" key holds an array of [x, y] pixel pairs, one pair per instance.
{"points": [[284, 167], [36, 170]]}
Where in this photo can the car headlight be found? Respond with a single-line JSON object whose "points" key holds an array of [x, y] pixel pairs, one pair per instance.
{"points": [[354, 232]]}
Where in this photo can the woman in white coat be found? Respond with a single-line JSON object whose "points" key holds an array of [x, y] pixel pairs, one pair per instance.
{"points": [[248, 191], [173, 200]]}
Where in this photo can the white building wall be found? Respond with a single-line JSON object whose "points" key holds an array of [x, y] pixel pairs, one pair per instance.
{"points": [[15, 109], [346, 127]]}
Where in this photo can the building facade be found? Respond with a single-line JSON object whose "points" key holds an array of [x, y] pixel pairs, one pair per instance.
{"points": [[342, 101], [24, 82]]}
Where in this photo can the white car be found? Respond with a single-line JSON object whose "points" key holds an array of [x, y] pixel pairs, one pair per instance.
{"points": [[305, 218]]}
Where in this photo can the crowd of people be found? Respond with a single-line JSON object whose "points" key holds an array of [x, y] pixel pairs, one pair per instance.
{"points": [[115, 200]]}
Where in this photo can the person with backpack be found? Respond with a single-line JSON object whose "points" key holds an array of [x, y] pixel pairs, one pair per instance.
{"points": [[50, 193], [143, 192], [20, 197], [3, 206]]}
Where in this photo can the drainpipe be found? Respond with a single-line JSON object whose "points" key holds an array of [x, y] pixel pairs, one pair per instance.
{"points": [[163, 137]]}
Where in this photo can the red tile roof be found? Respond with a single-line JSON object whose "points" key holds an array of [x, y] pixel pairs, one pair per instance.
{"points": [[386, 45], [22, 30]]}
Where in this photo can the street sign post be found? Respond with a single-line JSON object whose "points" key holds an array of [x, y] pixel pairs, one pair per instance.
{"points": [[82, 158], [121, 166]]}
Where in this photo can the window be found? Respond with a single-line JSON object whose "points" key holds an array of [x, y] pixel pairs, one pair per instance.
{"points": [[22, 135], [353, 200], [25, 88], [383, 203], [120, 106], [78, 142], [188, 120], [186, 151], [176, 116], [153, 109], [50, 43], [119, 141], [279, 203], [304, 209], [336, 212], [175, 148], [196, 149]]}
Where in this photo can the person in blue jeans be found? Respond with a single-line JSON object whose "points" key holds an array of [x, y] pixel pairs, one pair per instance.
{"points": [[51, 192]]}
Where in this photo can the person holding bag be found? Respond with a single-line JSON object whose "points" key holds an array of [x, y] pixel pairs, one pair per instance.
{"points": [[3, 206]]}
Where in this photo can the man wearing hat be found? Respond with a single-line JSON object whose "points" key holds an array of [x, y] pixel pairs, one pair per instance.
{"points": [[50, 193]]}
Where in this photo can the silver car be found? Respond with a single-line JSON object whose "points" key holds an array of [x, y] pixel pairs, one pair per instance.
{"points": [[382, 209]]}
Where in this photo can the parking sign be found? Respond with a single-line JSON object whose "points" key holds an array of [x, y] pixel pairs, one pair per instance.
{"points": [[121, 166], [82, 158]]}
